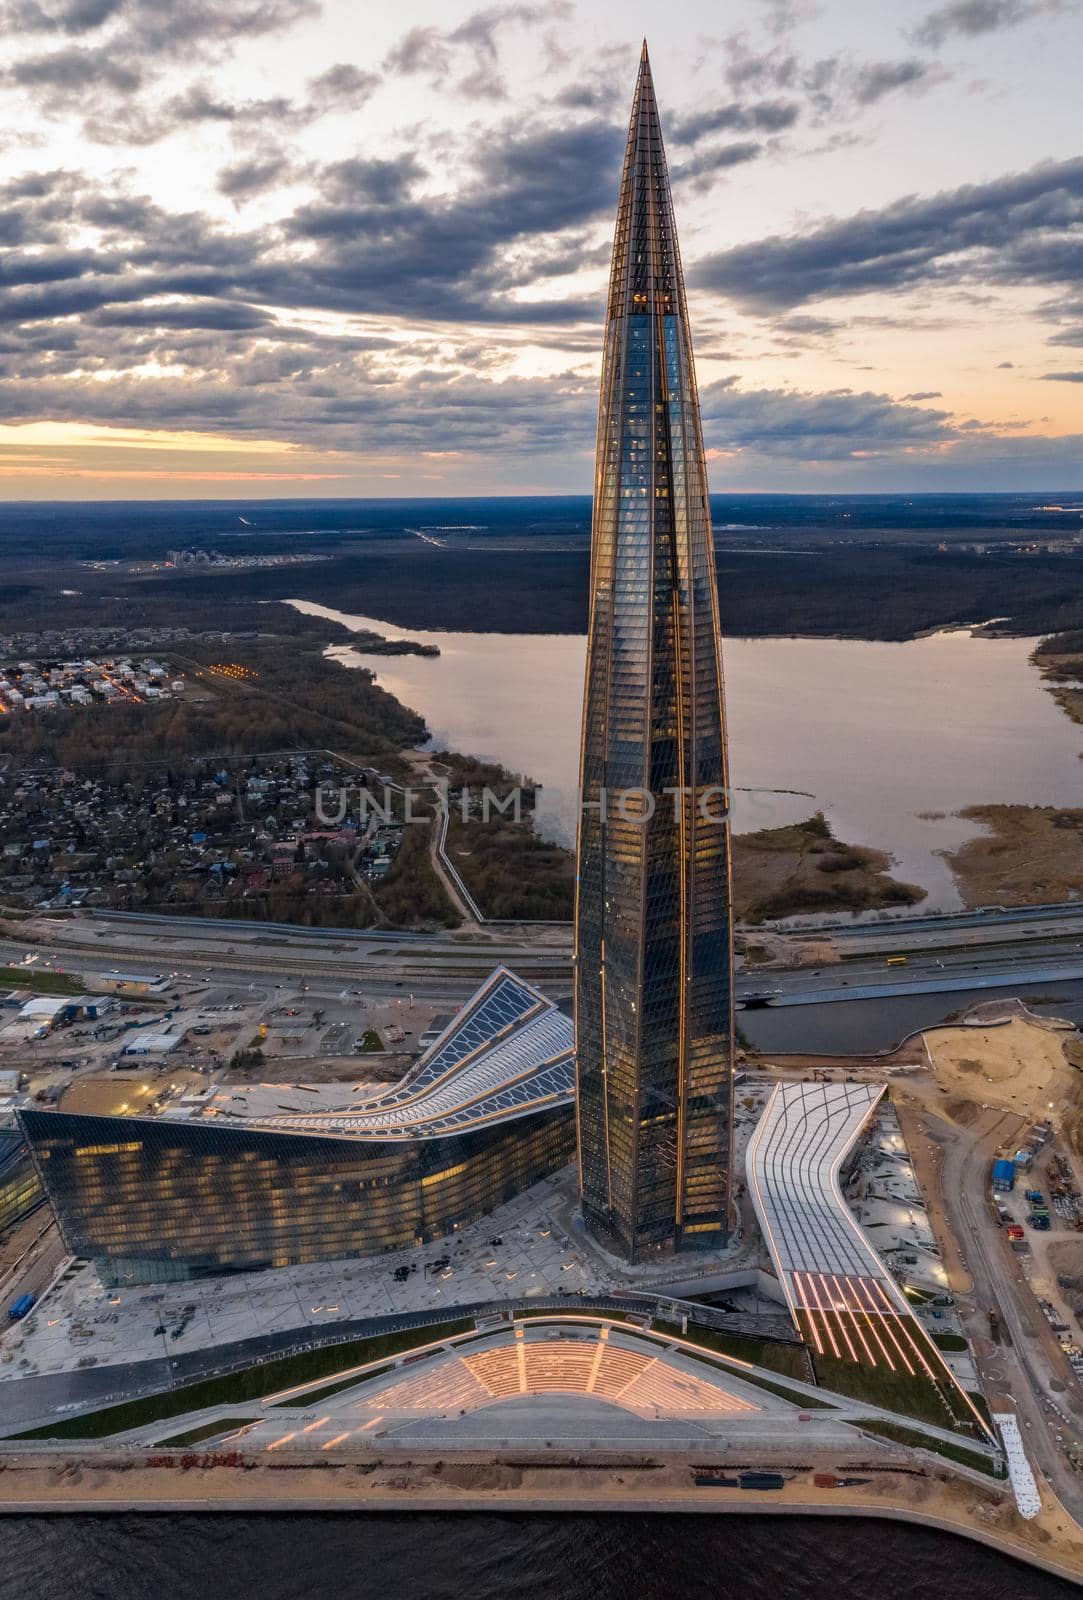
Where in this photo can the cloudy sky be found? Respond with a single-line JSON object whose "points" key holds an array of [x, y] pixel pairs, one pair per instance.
{"points": [[340, 247]]}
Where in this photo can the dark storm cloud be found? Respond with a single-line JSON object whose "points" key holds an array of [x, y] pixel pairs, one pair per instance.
{"points": [[65, 16], [111, 64], [255, 174], [821, 427], [765, 116], [134, 32], [343, 87], [1062, 377], [116, 118], [374, 181], [185, 315], [367, 242], [775, 88], [877, 78], [969, 18], [1023, 228], [73, 70], [703, 166], [470, 48], [379, 245], [198, 103]]}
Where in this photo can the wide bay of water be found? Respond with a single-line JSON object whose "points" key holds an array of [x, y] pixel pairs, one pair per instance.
{"points": [[889, 740]]}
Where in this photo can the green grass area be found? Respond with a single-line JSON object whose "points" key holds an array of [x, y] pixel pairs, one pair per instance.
{"points": [[239, 1388], [206, 1430], [788, 1359], [313, 1397], [41, 981], [981, 1404], [948, 1341], [913, 1394], [920, 1297], [371, 1041], [923, 1441]]}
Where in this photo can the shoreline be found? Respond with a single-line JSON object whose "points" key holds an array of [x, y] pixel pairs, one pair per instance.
{"points": [[506, 1503]]}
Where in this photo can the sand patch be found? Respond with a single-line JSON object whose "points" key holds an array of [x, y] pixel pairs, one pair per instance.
{"points": [[1017, 1064], [1065, 1257]]}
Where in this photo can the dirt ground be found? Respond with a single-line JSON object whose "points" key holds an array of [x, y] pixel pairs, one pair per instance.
{"points": [[375, 1070], [1018, 1065], [1031, 855], [118, 1092], [1066, 1256]]}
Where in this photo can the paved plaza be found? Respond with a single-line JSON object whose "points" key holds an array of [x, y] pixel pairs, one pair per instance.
{"points": [[81, 1323]]}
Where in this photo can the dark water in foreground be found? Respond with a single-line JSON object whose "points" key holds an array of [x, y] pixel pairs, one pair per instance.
{"points": [[473, 1557]]}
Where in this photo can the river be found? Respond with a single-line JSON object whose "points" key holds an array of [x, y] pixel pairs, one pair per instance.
{"points": [[888, 740], [481, 1557]]}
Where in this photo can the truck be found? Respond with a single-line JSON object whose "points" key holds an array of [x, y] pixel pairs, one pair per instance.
{"points": [[895, 961], [18, 1309]]}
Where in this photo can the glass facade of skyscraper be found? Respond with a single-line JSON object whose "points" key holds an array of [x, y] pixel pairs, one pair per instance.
{"points": [[654, 986], [155, 1200]]}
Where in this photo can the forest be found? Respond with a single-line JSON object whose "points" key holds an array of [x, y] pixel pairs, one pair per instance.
{"points": [[844, 590]]}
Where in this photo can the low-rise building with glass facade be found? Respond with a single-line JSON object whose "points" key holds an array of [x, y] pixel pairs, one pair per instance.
{"points": [[486, 1112]]}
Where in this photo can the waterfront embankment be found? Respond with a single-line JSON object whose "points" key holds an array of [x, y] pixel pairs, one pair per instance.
{"points": [[48, 1483]]}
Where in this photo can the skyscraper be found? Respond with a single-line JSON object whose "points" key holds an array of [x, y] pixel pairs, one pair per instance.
{"points": [[654, 970]]}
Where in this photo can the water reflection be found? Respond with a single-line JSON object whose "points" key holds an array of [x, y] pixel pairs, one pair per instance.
{"points": [[887, 739]]}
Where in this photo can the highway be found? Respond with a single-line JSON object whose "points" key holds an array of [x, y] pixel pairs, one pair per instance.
{"points": [[963, 973], [442, 966]]}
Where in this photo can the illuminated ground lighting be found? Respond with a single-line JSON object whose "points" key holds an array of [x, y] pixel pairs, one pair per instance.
{"points": [[646, 1384], [842, 1298], [339, 1437], [276, 1444], [233, 669]]}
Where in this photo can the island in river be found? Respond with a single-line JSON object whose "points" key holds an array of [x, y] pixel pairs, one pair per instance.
{"points": [[1028, 855]]}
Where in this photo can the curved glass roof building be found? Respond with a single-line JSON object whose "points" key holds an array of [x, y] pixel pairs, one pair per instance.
{"points": [[654, 986]]}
